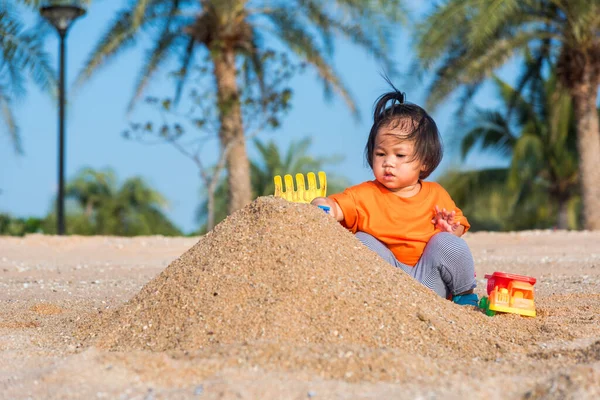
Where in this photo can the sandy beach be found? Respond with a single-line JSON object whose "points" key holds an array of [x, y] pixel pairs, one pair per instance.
{"points": [[267, 308]]}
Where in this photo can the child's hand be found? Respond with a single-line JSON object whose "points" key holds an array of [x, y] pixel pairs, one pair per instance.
{"points": [[334, 208], [444, 220]]}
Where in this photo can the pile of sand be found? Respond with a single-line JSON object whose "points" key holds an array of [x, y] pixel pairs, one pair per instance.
{"points": [[287, 273]]}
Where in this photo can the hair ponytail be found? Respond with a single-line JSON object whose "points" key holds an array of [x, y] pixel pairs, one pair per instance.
{"points": [[382, 110]]}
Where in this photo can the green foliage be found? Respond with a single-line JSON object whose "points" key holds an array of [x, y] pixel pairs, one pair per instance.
{"points": [[98, 206], [22, 55], [272, 162], [295, 160], [19, 226], [540, 187], [262, 108], [187, 32], [481, 195], [465, 41], [227, 38]]}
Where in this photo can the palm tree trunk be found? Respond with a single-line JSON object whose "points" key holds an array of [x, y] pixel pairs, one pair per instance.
{"points": [[584, 97], [231, 131], [562, 221], [210, 221], [212, 185], [89, 209]]}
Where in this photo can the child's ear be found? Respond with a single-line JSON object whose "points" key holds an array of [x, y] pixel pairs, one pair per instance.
{"points": [[423, 167]]}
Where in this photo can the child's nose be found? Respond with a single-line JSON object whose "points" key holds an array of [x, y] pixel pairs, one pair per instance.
{"points": [[389, 161]]}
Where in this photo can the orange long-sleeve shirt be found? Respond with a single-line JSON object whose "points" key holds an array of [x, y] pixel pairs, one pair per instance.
{"points": [[402, 224]]}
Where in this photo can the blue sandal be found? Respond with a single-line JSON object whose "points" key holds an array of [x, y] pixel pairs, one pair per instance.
{"points": [[470, 299]]}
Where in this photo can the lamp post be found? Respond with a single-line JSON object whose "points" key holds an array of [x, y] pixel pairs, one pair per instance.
{"points": [[61, 16]]}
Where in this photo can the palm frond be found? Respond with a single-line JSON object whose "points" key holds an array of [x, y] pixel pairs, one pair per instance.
{"points": [[37, 3], [395, 11], [366, 30], [184, 69], [21, 54], [23, 51], [525, 110], [165, 47], [442, 32], [463, 48], [8, 116], [560, 114], [299, 41], [489, 17], [535, 58], [254, 64], [315, 12], [297, 149], [120, 34], [491, 131], [463, 186], [476, 64], [138, 13], [528, 156]]}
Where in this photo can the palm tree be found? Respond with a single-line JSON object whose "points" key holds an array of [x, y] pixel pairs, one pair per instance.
{"points": [[295, 160], [464, 41], [138, 210], [91, 188], [271, 163], [543, 173], [134, 208], [482, 196], [231, 36], [21, 54]]}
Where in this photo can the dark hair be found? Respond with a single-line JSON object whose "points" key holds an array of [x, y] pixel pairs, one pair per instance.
{"points": [[415, 121]]}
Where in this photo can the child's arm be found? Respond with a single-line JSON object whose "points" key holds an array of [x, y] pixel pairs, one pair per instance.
{"points": [[335, 209], [444, 220]]}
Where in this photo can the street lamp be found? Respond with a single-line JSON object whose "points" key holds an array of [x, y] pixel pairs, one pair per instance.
{"points": [[61, 16]]}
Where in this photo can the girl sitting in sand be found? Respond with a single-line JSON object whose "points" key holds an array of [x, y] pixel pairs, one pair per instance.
{"points": [[412, 224]]}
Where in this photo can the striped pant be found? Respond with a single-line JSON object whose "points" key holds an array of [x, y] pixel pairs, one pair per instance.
{"points": [[446, 265]]}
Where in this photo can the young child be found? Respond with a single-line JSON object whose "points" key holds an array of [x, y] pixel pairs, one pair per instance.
{"points": [[410, 223]]}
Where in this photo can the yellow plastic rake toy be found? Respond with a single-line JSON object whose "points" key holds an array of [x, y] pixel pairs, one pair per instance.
{"points": [[301, 194]]}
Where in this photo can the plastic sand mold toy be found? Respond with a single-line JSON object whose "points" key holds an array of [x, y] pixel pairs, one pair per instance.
{"points": [[301, 194], [509, 293]]}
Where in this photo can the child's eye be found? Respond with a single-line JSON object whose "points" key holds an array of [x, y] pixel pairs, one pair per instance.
{"points": [[400, 155], [379, 154]]}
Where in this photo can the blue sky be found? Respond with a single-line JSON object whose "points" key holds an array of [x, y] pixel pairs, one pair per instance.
{"points": [[96, 117]]}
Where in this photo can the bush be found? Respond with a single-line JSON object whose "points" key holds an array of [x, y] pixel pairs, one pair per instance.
{"points": [[14, 226]]}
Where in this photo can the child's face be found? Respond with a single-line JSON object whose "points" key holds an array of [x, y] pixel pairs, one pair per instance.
{"points": [[394, 164]]}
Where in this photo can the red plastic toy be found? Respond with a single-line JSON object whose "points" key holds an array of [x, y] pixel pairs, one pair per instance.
{"points": [[509, 293]]}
